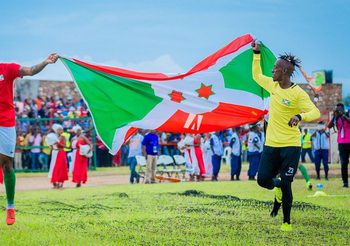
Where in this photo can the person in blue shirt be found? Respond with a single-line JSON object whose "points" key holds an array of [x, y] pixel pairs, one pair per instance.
{"points": [[217, 151], [321, 146], [236, 153], [135, 149], [255, 146], [150, 146]]}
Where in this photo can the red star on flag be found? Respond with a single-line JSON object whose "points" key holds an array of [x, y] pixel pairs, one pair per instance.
{"points": [[176, 96], [205, 91]]}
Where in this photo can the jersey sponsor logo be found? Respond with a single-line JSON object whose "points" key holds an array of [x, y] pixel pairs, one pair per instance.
{"points": [[2, 77], [286, 102], [193, 121]]}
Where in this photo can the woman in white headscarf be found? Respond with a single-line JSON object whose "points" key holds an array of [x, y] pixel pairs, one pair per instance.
{"points": [[207, 154], [80, 156], [58, 167]]}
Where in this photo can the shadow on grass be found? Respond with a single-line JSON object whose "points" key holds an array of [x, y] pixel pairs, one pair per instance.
{"points": [[225, 199], [59, 208]]}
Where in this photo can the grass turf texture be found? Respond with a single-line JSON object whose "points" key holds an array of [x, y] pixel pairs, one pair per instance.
{"points": [[206, 213]]}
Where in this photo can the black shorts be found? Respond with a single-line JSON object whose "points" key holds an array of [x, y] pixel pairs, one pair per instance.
{"points": [[279, 160]]}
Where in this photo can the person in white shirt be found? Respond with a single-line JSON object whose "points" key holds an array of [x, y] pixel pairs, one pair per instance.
{"points": [[207, 154], [35, 140], [135, 148], [321, 146], [255, 146], [236, 155], [217, 151]]}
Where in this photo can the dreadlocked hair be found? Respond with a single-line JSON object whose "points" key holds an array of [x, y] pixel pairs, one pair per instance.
{"points": [[295, 61], [292, 60]]}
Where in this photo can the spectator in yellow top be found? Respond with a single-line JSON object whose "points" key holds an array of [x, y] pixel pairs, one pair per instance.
{"points": [[306, 146], [26, 156], [67, 136], [18, 151], [45, 154]]}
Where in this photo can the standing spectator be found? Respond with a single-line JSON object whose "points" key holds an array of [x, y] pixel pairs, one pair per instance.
{"points": [[104, 158], [197, 142], [45, 154], [190, 156], [58, 172], [135, 148], [150, 150], [342, 121], [18, 151], [236, 155], [186, 152], [255, 146], [67, 137], [181, 144], [80, 166], [164, 143], [172, 141], [35, 140], [26, 156], [217, 151], [207, 153], [306, 146], [321, 146], [124, 154], [244, 137]]}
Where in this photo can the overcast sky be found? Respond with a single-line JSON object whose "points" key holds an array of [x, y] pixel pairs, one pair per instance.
{"points": [[172, 36]]}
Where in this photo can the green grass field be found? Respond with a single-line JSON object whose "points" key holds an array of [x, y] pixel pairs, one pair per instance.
{"points": [[206, 213]]}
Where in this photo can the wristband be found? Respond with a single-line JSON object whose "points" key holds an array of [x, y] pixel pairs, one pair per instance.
{"points": [[299, 116], [256, 51]]}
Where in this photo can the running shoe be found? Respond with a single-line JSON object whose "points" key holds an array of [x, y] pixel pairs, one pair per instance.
{"points": [[10, 218], [286, 227]]}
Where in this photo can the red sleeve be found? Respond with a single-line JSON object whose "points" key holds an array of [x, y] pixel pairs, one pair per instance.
{"points": [[13, 69]]}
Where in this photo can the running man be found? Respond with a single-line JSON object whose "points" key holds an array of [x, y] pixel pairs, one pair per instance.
{"points": [[289, 104], [8, 73]]}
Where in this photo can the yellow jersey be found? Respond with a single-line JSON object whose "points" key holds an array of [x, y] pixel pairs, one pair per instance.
{"points": [[46, 150], [66, 135], [284, 104], [307, 141]]}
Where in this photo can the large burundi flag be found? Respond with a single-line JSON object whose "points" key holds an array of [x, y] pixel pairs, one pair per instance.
{"points": [[215, 94]]}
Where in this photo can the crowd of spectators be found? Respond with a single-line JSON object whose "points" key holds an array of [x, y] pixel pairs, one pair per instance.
{"points": [[35, 116], [34, 120]]}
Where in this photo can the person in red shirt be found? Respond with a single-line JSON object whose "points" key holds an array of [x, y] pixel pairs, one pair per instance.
{"points": [[58, 172], [8, 73], [81, 162]]}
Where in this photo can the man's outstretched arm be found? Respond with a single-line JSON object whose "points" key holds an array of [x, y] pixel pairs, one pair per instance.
{"points": [[258, 77], [30, 71]]}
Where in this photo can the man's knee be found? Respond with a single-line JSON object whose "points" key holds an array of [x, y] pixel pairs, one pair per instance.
{"points": [[6, 163], [264, 181]]}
